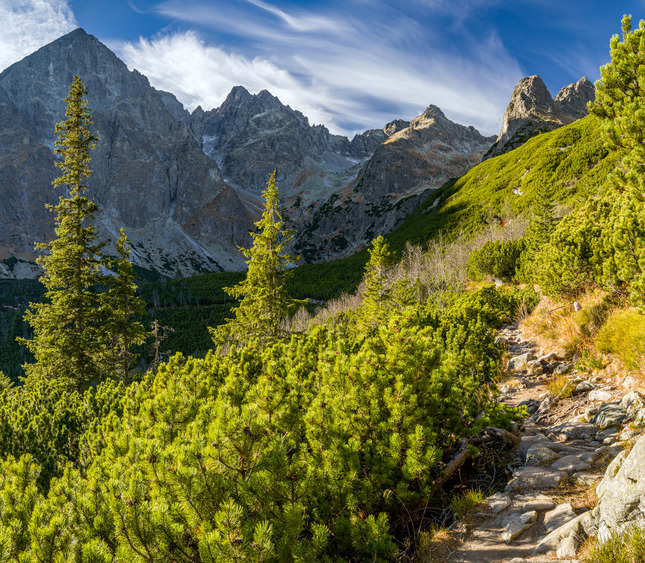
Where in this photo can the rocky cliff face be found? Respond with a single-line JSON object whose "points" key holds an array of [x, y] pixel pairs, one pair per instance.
{"points": [[403, 170], [532, 111], [150, 174], [186, 186]]}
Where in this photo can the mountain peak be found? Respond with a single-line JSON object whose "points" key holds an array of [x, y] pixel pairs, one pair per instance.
{"points": [[531, 94], [532, 110], [572, 99], [237, 96], [78, 33], [433, 112]]}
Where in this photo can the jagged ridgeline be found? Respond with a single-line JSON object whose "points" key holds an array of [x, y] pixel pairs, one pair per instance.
{"points": [[565, 166], [186, 186]]}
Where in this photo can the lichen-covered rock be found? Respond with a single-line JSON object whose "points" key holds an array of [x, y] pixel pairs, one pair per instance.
{"points": [[570, 431], [609, 415], [571, 464], [498, 502], [621, 494], [599, 396], [534, 501], [540, 454], [559, 516], [516, 524], [517, 363], [580, 528], [584, 387]]}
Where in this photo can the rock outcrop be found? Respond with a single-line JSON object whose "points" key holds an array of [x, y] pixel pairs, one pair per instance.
{"points": [[149, 172], [530, 521], [532, 111]]}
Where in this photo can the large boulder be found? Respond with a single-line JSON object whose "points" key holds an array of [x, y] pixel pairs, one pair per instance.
{"points": [[621, 493]]}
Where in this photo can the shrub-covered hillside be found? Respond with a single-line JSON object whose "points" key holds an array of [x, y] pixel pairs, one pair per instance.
{"points": [[564, 166]]}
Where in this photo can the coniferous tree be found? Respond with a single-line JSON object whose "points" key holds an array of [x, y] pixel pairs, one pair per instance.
{"points": [[67, 327], [377, 293], [263, 300], [620, 96], [123, 308]]}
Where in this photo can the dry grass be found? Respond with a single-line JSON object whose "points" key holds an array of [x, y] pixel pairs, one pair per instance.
{"points": [[555, 324], [433, 273], [435, 546], [628, 547], [560, 387], [624, 335], [577, 495], [513, 383]]}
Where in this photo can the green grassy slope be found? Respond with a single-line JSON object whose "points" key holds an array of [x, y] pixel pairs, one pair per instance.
{"points": [[566, 164]]}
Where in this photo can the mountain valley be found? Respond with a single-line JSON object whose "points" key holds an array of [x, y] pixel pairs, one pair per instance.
{"points": [[186, 185]]}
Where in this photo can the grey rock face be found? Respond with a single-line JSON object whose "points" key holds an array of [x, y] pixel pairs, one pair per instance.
{"points": [[572, 100], [517, 363], [148, 168], [577, 529], [569, 431], [571, 464], [498, 502], [516, 524], [532, 110], [540, 454], [535, 478], [186, 186], [609, 415], [621, 493], [560, 515]]}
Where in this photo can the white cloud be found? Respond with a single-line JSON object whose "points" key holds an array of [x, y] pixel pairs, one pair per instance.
{"points": [[203, 75], [341, 69], [27, 25]]}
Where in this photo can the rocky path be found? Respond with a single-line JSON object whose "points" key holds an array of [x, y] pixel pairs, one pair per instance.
{"points": [[545, 511]]}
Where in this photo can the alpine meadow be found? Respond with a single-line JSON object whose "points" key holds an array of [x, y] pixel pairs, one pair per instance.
{"points": [[245, 338]]}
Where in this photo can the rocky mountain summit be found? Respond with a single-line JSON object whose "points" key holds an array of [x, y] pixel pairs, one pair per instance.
{"points": [[532, 110], [186, 186], [149, 172], [400, 175]]}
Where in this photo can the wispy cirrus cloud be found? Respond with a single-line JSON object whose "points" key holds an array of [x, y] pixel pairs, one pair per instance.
{"points": [[29, 24], [350, 66]]}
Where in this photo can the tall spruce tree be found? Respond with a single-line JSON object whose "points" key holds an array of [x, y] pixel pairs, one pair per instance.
{"points": [[377, 293], [68, 335], [263, 300]]}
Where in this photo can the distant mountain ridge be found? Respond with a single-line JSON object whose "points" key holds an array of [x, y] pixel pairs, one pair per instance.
{"points": [[186, 185]]}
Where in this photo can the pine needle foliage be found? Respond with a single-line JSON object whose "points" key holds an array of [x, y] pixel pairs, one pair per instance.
{"points": [[603, 242], [85, 329], [377, 292], [67, 327], [263, 299]]}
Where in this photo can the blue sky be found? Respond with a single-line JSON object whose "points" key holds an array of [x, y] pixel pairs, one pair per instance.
{"points": [[348, 64]]}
